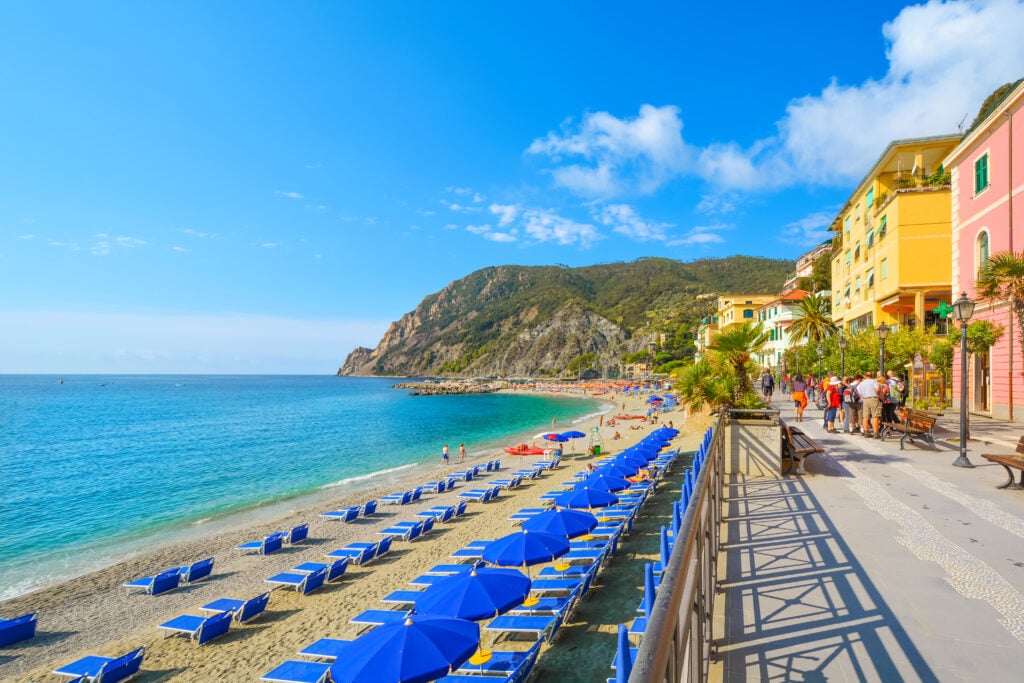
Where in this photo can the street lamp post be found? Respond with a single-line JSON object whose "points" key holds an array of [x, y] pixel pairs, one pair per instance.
{"points": [[842, 354], [963, 309], [883, 332], [821, 355]]}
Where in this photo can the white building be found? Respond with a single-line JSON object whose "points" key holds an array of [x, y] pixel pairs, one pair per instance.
{"points": [[776, 316]]}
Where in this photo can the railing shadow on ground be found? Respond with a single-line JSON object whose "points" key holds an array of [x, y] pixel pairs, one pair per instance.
{"points": [[797, 603]]}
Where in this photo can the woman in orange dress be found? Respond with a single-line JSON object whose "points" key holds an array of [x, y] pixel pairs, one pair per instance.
{"points": [[799, 397]]}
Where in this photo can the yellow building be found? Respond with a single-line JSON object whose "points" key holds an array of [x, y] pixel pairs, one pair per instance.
{"points": [[894, 261], [733, 310]]}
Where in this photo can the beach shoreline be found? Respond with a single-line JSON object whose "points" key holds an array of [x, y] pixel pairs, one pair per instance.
{"points": [[92, 614]]}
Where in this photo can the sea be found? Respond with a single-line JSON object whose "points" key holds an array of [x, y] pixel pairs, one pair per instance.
{"points": [[95, 468]]}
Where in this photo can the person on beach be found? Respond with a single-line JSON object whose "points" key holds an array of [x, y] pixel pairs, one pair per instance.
{"points": [[462, 452], [834, 396], [444, 455], [799, 397]]}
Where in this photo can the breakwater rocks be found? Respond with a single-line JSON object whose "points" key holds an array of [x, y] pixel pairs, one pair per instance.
{"points": [[446, 388]]}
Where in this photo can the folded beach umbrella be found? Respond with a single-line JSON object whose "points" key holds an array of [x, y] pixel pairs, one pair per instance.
{"points": [[568, 523], [677, 518], [624, 656], [419, 649], [603, 482], [585, 497], [666, 549], [482, 593], [649, 588], [525, 548]]}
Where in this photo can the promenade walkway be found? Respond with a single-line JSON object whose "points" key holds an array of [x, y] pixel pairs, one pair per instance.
{"points": [[878, 565]]}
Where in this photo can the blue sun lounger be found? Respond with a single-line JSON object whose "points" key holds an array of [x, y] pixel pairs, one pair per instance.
{"points": [[369, 508], [440, 513], [402, 498], [424, 580], [105, 669], [335, 570], [402, 597], [197, 571], [200, 629], [17, 629], [298, 534], [325, 648], [523, 514], [407, 531], [270, 544], [303, 583], [349, 514], [514, 666], [293, 671], [544, 626], [378, 617], [356, 553], [449, 569], [244, 611], [167, 580]]}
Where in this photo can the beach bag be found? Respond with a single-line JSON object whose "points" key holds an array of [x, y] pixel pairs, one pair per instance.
{"points": [[823, 399]]}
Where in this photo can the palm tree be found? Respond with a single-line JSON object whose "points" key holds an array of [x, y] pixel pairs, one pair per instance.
{"points": [[1002, 279], [698, 386], [814, 320], [736, 346]]}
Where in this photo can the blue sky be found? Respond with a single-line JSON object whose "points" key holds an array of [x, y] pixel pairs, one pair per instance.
{"points": [[260, 187]]}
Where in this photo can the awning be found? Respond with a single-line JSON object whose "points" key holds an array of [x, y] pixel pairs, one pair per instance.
{"points": [[901, 303]]}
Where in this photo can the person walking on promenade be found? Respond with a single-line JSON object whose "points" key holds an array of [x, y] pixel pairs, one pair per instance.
{"points": [[444, 455], [767, 387], [462, 452], [799, 397], [853, 404], [869, 389], [809, 383], [833, 394]]}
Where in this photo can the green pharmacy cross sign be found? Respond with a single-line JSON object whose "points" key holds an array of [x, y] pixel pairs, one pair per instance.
{"points": [[943, 310]]}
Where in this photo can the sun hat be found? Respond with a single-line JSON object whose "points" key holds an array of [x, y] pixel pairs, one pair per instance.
{"points": [[834, 382]]}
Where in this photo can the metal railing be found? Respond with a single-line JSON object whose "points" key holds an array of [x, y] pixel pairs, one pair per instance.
{"points": [[678, 645]]}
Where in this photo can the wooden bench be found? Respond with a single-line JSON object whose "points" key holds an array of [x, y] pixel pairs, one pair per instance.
{"points": [[1008, 461], [797, 446], [918, 424]]}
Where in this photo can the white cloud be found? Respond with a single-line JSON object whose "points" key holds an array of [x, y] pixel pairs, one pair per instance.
{"points": [[464, 191], [63, 245], [426, 212], [478, 229], [181, 250], [944, 59], [619, 155], [451, 226], [701, 234], [270, 245], [104, 244], [810, 230], [478, 198], [289, 195], [623, 219], [506, 213], [196, 233], [713, 204], [502, 237], [129, 242], [39, 342], [313, 165], [547, 226], [26, 237]]}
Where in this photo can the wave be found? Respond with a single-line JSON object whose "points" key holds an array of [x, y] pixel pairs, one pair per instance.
{"points": [[591, 416], [364, 477]]}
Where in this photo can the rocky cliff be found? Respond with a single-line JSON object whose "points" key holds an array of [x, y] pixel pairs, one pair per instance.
{"points": [[548, 320]]}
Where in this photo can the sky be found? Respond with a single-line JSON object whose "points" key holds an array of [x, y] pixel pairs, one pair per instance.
{"points": [[259, 187]]}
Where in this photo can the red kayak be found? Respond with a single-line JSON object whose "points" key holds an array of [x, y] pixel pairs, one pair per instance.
{"points": [[630, 417], [523, 449]]}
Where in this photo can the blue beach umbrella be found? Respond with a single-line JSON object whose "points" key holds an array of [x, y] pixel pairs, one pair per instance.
{"points": [[677, 518], [605, 483], [525, 548], [422, 648], [556, 437], [649, 589], [616, 470], [631, 460], [624, 656], [573, 434], [482, 593], [585, 497], [568, 523]]}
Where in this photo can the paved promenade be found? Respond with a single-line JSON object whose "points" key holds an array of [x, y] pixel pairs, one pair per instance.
{"points": [[877, 565]]}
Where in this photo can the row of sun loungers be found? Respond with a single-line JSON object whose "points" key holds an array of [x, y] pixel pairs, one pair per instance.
{"points": [[275, 541], [351, 514]]}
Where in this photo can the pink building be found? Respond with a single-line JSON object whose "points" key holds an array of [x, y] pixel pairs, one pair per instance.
{"points": [[988, 208]]}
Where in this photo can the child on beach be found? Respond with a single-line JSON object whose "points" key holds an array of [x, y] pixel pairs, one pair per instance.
{"points": [[444, 455]]}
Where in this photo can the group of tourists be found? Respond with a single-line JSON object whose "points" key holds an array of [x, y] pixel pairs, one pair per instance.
{"points": [[849, 404]]}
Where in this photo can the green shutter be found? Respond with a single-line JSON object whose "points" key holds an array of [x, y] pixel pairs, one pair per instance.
{"points": [[981, 173], [870, 198]]}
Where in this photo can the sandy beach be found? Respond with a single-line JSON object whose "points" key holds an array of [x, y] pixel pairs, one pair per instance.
{"points": [[93, 615]]}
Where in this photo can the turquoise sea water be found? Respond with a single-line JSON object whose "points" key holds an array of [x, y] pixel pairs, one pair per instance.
{"points": [[99, 464]]}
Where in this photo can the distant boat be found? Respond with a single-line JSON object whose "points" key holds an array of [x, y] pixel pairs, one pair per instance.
{"points": [[62, 380]]}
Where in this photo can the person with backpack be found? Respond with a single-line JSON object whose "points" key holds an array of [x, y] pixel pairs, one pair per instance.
{"points": [[832, 394], [767, 387], [853, 404]]}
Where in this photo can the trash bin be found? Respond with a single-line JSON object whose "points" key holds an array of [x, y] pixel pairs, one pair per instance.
{"points": [[597, 449]]}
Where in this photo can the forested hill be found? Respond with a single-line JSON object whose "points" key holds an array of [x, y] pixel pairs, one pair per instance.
{"points": [[549, 320]]}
